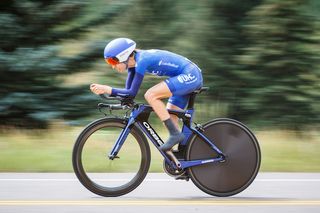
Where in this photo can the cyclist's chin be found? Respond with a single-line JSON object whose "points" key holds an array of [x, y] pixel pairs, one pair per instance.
{"points": [[121, 69]]}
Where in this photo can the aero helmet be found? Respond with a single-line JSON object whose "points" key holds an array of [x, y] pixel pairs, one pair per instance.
{"points": [[119, 49]]}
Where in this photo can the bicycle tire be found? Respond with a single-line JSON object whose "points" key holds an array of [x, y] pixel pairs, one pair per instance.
{"points": [[98, 180], [242, 161]]}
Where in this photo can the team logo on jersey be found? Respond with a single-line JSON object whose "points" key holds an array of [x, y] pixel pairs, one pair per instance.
{"points": [[168, 64], [186, 78]]}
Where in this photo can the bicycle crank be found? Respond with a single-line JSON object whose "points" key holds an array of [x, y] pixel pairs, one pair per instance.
{"points": [[174, 159]]}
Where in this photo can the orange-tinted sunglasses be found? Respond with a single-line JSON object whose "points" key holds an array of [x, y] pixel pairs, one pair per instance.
{"points": [[112, 61]]}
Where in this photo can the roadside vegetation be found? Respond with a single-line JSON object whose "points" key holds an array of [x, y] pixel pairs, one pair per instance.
{"points": [[51, 150]]}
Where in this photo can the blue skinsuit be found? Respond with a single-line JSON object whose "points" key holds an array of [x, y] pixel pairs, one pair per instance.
{"points": [[184, 75]]}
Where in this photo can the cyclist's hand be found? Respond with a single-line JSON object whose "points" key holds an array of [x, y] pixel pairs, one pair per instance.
{"points": [[100, 89]]}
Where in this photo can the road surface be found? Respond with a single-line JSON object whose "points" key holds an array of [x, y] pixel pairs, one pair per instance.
{"points": [[62, 192]]}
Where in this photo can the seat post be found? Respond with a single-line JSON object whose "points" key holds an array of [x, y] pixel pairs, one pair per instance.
{"points": [[191, 101], [193, 96]]}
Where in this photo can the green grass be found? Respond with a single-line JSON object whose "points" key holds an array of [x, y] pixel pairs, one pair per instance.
{"points": [[50, 151], [287, 151]]}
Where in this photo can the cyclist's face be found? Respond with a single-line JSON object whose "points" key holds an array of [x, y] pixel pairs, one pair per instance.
{"points": [[121, 67]]}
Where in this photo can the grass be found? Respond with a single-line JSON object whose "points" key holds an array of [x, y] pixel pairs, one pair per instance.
{"points": [[289, 151], [51, 150]]}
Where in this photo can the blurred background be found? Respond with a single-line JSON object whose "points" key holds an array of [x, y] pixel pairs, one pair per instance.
{"points": [[260, 59]]}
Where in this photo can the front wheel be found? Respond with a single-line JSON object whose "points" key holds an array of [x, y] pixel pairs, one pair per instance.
{"points": [[110, 177], [242, 161]]}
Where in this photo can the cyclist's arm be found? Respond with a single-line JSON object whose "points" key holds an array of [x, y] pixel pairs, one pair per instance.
{"points": [[136, 74], [129, 78], [133, 87]]}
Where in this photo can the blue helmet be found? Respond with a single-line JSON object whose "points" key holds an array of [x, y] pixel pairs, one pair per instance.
{"points": [[119, 48]]}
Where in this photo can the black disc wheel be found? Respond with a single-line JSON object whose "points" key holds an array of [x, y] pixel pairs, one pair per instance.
{"points": [[110, 177], [242, 161]]}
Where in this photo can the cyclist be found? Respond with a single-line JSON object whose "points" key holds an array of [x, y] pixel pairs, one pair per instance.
{"points": [[184, 77]]}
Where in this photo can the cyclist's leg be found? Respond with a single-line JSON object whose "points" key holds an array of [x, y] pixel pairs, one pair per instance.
{"points": [[154, 96], [174, 118], [177, 87], [177, 103], [181, 86], [160, 91]]}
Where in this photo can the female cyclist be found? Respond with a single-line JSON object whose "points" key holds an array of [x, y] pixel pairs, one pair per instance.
{"points": [[183, 78]]}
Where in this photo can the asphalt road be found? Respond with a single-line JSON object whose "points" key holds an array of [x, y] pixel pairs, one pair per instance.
{"points": [[60, 192]]}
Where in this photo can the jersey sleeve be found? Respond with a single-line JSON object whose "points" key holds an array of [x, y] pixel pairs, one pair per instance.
{"points": [[132, 89], [130, 78], [135, 77]]}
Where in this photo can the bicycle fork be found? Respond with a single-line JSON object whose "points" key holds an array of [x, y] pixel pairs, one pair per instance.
{"points": [[121, 139]]}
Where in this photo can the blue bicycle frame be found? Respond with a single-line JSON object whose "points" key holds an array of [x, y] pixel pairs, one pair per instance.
{"points": [[140, 115]]}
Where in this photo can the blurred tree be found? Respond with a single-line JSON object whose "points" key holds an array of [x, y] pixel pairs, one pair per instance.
{"points": [[31, 33], [245, 56], [154, 24], [281, 82], [220, 43], [207, 32]]}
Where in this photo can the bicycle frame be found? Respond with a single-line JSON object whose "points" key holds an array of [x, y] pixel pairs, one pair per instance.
{"points": [[140, 115]]}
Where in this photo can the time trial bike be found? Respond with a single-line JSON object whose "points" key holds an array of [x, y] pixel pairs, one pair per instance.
{"points": [[111, 156]]}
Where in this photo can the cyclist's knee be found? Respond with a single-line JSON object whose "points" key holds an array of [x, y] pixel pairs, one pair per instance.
{"points": [[150, 95], [157, 92]]}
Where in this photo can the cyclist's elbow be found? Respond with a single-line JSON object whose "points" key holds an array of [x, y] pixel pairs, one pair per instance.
{"points": [[132, 94]]}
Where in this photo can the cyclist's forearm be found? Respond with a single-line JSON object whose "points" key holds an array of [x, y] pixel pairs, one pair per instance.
{"points": [[122, 92], [132, 91], [129, 78]]}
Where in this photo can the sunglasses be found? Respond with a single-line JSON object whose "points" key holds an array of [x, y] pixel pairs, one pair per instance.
{"points": [[112, 61]]}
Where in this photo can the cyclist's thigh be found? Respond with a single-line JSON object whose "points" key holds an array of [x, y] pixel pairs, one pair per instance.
{"points": [[160, 90], [179, 101]]}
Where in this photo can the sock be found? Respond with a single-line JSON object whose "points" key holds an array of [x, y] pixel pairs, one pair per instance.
{"points": [[175, 136], [171, 127]]}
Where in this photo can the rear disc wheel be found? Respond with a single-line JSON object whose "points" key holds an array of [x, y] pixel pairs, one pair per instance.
{"points": [[242, 161]]}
